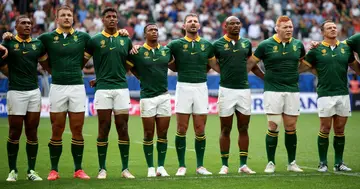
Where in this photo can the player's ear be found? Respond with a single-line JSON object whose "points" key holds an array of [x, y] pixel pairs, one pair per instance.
{"points": [[276, 28]]}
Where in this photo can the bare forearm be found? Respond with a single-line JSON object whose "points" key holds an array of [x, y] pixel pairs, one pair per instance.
{"points": [[257, 71]]}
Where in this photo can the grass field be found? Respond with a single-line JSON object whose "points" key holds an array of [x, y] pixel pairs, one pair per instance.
{"points": [[307, 158]]}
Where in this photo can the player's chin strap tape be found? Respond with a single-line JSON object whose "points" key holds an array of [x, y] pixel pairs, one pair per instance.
{"points": [[277, 119], [125, 111]]}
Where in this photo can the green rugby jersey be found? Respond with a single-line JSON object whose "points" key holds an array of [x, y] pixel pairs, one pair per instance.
{"points": [[151, 66], [191, 58], [281, 62], [109, 53], [22, 60], [331, 66], [65, 55], [232, 59], [354, 43]]}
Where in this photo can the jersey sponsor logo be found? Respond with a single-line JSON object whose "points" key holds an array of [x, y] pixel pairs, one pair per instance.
{"points": [[202, 47], [163, 53], [56, 39], [192, 53], [76, 38], [226, 47], [16, 46], [275, 49], [33, 46], [294, 47], [102, 44], [146, 54], [122, 43], [343, 50], [25, 52], [112, 48], [185, 47]]}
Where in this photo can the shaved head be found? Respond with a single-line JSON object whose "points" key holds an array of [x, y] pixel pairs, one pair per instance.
{"points": [[228, 19]]}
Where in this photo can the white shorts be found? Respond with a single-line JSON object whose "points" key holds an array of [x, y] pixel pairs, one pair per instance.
{"points": [[230, 100], [191, 98], [112, 99], [20, 102], [282, 102], [67, 98], [334, 105], [159, 106]]}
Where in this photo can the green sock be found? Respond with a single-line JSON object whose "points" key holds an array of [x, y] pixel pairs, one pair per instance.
{"points": [[102, 146], [161, 146], [200, 143], [55, 149], [271, 143], [339, 144], [124, 146], [77, 151], [31, 152], [243, 157], [323, 145], [225, 158], [180, 144], [12, 150], [148, 146], [290, 144]]}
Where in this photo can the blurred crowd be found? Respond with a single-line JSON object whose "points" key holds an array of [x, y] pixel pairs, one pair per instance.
{"points": [[258, 16]]}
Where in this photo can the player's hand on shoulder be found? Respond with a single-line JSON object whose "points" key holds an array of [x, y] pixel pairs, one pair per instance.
{"points": [[3, 52], [135, 49], [7, 36], [92, 83], [123, 32], [314, 44]]}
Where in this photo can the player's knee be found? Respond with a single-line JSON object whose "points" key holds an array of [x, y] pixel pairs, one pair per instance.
{"points": [[14, 134], [148, 134], [31, 135], [243, 128], [225, 131], [325, 128], [162, 133], [339, 130], [274, 122]]}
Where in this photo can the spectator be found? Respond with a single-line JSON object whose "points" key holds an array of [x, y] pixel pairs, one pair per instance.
{"points": [[39, 16]]}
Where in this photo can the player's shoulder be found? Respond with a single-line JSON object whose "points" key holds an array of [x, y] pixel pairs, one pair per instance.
{"points": [[204, 41], [219, 41], [244, 40], [81, 33], [296, 41], [46, 35]]}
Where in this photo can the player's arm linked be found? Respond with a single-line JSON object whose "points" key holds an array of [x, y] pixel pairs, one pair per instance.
{"points": [[171, 65], [212, 62], [355, 66], [258, 72], [251, 62]]}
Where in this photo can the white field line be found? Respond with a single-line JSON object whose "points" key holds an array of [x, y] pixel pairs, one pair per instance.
{"points": [[172, 147], [355, 174]]}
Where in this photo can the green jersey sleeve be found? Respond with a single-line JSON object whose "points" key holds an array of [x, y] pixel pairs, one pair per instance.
{"points": [[260, 51], [310, 58], [250, 49]]}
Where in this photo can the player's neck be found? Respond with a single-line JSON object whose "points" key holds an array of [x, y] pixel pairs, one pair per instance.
{"points": [[192, 36], [65, 30], [23, 37], [331, 42], [283, 39], [111, 31], [232, 36], [152, 44]]}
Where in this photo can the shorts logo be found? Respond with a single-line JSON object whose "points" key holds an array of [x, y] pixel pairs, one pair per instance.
{"points": [[76, 38], [102, 44], [226, 47], [202, 47], [275, 49], [163, 53], [56, 39], [185, 46], [122, 42], [16, 46], [243, 45], [294, 48], [343, 50]]}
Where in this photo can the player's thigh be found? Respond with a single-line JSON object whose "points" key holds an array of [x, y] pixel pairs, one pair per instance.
{"points": [[292, 103], [226, 103], [35, 101], [148, 107], [183, 98], [201, 100], [121, 101], [17, 102], [58, 98], [163, 108], [273, 102], [326, 106], [77, 98], [103, 100], [243, 104], [343, 107]]}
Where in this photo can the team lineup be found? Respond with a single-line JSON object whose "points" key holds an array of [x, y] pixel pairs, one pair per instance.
{"points": [[64, 52]]}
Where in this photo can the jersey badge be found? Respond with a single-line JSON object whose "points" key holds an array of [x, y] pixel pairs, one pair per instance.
{"points": [[243, 45], [56, 39], [102, 44], [76, 38], [163, 53], [16, 46], [33, 46], [122, 42], [226, 47], [323, 52], [202, 47], [185, 47], [146, 54], [343, 50], [294, 48], [275, 49]]}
